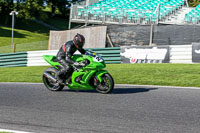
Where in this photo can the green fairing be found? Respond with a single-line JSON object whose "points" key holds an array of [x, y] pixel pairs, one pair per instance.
{"points": [[49, 59], [94, 68]]}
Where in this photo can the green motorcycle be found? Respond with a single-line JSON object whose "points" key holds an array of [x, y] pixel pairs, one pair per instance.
{"points": [[88, 75]]}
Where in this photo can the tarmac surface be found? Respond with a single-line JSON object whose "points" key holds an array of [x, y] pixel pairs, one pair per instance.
{"points": [[128, 109]]}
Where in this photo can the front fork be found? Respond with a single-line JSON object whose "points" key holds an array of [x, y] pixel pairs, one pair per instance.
{"points": [[99, 74]]}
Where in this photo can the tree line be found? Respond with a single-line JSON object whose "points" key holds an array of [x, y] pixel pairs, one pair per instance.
{"points": [[31, 9], [193, 3]]}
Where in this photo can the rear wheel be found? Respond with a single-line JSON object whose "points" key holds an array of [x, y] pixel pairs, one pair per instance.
{"points": [[52, 86], [107, 84]]}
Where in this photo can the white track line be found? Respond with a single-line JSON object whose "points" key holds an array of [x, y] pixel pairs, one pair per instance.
{"points": [[12, 131], [20, 83], [157, 86]]}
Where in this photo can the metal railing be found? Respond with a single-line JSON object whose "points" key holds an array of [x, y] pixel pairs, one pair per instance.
{"points": [[114, 15], [13, 59], [106, 15]]}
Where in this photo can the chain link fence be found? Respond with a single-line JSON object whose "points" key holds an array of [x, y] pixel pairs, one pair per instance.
{"points": [[123, 35]]}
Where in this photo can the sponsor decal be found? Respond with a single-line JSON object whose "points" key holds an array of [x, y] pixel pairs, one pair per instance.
{"points": [[133, 60], [196, 52], [145, 55]]}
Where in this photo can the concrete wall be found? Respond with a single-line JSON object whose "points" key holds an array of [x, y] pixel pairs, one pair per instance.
{"points": [[95, 37]]}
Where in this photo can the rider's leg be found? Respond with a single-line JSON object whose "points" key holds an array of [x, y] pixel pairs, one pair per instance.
{"points": [[64, 69]]}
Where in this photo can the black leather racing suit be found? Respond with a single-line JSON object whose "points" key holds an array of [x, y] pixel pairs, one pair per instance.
{"points": [[64, 57]]}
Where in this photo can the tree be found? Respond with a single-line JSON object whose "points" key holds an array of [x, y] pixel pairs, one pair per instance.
{"points": [[6, 6], [194, 3], [30, 9], [59, 4], [53, 4], [62, 7]]}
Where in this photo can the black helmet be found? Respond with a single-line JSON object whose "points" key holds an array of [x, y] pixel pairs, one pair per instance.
{"points": [[79, 40]]}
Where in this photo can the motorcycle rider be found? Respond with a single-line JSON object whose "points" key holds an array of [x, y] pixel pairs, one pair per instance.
{"points": [[66, 52]]}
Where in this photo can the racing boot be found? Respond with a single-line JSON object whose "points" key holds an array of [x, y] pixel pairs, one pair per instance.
{"points": [[58, 78]]}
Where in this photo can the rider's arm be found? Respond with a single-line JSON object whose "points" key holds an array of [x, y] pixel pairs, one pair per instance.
{"points": [[69, 59], [68, 56], [82, 51]]}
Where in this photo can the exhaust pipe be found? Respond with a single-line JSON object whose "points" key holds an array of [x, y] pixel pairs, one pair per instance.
{"points": [[49, 76]]}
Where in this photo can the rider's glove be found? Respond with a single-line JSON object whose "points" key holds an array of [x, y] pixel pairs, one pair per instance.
{"points": [[87, 53]]}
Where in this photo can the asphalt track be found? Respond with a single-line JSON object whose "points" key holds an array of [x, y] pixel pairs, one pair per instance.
{"points": [[129, 109]]}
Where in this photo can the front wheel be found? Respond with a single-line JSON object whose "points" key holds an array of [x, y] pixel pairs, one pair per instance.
{"points": [[107, 84]]}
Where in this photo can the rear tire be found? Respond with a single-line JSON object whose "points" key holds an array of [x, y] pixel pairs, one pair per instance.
{"points": [[107, 85], [52, 86]]}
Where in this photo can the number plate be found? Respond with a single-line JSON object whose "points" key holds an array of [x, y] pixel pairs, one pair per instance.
{"points": [[98, 58]]}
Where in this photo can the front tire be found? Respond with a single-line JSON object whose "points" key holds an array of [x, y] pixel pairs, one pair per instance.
{"points": [[107, 85], [52, 86]]}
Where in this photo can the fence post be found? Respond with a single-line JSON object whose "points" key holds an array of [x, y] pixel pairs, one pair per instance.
{"points": [[186, 3], [14, 47], [158, 13], [151, 36], [70, 17]]}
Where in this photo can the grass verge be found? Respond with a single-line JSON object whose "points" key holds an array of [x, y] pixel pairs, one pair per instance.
{"points": [[32, 46], [24, 40], [20, 36], [141, 74]]}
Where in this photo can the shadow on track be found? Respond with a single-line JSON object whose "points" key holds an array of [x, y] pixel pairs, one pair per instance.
{"points": [[117, 90], [131, 90]]}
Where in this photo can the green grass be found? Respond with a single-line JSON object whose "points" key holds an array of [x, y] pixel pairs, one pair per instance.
{"points": [[21, 74], [27, 25], [28, 35], [20, 36], [58, 22], [32, 46], [141, 74], [157, 74], [25, 40], [61, 23]]}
